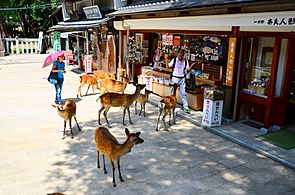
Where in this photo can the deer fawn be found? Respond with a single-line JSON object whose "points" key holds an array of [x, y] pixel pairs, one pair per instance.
{"points": [[99, 74], [107, 145], [168, 103], [67, 111], [142, 99], [109, 100], [90, 81], [110, 85]]}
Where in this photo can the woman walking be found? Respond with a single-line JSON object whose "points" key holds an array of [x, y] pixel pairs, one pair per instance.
{"points": [[59, 68]]}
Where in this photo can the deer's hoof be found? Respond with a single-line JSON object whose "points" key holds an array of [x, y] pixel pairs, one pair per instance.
{"points": [[72, 137], [63, 137], [157, 129], [166, 130], [114, 185], [121, 179], [105, 172], [98, 166], [131, 123]]}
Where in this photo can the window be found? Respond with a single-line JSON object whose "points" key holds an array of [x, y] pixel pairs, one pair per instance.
{"points": [[258, 65]]}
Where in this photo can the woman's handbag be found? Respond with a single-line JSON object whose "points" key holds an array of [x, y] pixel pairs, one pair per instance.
{"points": [[52, 78]]}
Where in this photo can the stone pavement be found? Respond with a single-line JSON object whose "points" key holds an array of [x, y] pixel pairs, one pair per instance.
{"points": [[187, 160]]}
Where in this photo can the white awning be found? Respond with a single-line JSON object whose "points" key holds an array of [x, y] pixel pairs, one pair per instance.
{"points": [[263, 21]]}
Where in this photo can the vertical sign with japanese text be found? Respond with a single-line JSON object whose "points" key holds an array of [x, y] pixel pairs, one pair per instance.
{"points": [[56, 41], [88, 63], [230, 61]]}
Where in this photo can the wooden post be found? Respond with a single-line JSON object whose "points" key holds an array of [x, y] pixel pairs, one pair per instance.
{"points": [[23, 49], [17, 46], [27, 47], [272, 82], [7, 46], [11, 47], [31, 45]]}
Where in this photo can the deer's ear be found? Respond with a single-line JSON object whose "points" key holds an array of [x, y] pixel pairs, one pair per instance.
{"points": [[138, 134], [127, 131]]}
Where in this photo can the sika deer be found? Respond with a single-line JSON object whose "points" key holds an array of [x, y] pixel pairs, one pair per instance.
{"points": [[107, 145], [67, 111], [168, 103], [89, 80], [110, 85], [99, 74], [109, 100], [142, 99]]}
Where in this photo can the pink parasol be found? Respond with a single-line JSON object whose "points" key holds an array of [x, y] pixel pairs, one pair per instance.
{"points": [[52, 57]]}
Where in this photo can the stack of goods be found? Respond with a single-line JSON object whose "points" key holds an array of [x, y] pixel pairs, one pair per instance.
{"points": [[213, 93], [146, 71]]}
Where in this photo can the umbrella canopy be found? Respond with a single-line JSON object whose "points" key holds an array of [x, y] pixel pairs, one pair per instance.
{"points": [[52, 57]]}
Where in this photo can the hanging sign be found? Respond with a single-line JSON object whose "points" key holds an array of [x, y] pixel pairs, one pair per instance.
{"points": [[88, 63], [56, 41], [230, 61], [176, 41], [40, 41], [92, 12], [167, 39]]}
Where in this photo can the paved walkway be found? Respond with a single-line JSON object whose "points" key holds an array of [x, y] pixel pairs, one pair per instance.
{"points": [[187, 160]]}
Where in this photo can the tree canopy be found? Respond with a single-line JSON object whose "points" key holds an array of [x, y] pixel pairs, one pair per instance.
{"points": [[26, 22]]}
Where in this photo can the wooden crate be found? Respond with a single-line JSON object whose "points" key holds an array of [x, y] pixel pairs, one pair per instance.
{"points": [[195, 100]]}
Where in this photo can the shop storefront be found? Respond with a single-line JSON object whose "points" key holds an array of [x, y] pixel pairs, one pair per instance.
{"points": [[249, 55]]}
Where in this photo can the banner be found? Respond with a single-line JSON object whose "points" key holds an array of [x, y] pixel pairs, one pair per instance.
{"points": [[39, 46], [56, 41], [88, 63], [230, 61]]}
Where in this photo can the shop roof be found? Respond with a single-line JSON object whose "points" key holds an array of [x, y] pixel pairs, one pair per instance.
{"points": [[77, 25], [157, 5]]}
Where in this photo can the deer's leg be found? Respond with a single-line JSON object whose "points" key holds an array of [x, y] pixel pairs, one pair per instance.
{"points": [[79, 91], [129, 115], [124, 112], [105, 113], [70, 121], [99, 112], [135, 105], [98, 164], [104, 165], [174, 119], [113, 168], [163, 119], [93, 88], [140, 108], [120, 176], [144, 109], [65, 125], [87, 89], [170, 117], [160, 112], [77, 123]]}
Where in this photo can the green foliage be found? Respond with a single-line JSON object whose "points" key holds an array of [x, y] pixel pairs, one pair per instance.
{"points": [[28, 22]]}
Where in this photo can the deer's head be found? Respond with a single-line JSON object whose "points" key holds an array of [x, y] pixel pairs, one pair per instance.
{"points": [[134, 137]]}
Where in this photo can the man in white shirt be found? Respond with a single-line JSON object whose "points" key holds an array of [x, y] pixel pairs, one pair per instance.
{"points": [[181, 66]]}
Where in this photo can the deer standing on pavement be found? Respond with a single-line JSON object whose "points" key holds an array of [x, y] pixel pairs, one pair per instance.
{"points": [[142, 99], [108, 100], [107, 145], [67, 112], [99, 74], [167, 104], [111, 85], [90, 81]]}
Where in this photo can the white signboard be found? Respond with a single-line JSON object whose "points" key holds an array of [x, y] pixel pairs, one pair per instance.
{"points": [[148, 80], [39, 46], [92, 12], [88, 63], [212, 113]]}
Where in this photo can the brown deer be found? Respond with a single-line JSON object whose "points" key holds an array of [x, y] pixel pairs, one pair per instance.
{"points": [[107, 145], [142, 99], [67, 112], [99, 74], [108, 100], [90, 81], [167, 104], [111, 85]]}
